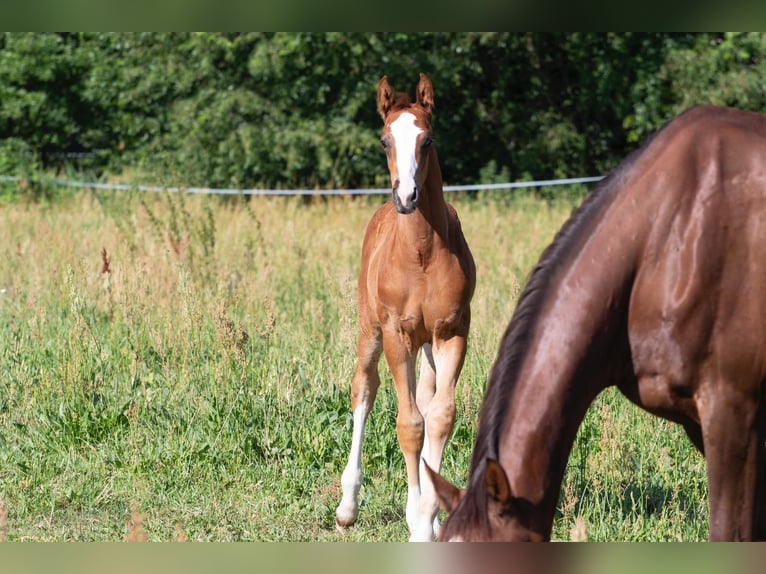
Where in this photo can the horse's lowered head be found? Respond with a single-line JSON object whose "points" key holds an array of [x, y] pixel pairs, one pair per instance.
{"points": [[407, 139], [489, 512]]}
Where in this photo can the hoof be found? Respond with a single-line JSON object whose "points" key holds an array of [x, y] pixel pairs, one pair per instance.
{"points": [[421, 538], [340, 528], [344, 521]]}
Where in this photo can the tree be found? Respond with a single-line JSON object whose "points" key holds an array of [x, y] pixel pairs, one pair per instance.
{"points": [[298, 109]]}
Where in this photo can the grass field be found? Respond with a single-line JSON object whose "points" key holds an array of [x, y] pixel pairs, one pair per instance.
{"points": [[177, 368]]}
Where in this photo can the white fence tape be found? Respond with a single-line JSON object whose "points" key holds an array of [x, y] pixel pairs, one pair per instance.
{"points": [[363, 191]]}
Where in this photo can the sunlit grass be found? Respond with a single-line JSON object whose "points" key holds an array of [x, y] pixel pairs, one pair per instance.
{"points": [[186, 361]]}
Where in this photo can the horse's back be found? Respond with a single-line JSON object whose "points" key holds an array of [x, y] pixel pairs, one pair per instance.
{"points": [[698, 306]]}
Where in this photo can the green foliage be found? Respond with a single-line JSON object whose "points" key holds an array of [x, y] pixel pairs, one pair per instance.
{"points": [[40, 87], [721, 69], [16, 157], [284, 110], [725, 69]]}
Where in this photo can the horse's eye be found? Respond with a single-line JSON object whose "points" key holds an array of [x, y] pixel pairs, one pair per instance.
{"points": [[384, 142], [427, 141]]}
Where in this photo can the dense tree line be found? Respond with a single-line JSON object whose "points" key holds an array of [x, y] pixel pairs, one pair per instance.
{"points": [[298, 109]]}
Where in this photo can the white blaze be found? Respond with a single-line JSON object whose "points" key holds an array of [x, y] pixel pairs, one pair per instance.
{"points": [[405, 134]]}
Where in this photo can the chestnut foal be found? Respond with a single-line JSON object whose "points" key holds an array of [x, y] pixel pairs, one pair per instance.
{"points": [[415, 287]]}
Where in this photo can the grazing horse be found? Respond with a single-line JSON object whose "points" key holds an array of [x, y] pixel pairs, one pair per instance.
{"points": [[656, 284], [415, 287]]}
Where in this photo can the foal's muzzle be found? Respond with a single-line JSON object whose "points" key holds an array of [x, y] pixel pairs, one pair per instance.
{"points": [[407, 205]]}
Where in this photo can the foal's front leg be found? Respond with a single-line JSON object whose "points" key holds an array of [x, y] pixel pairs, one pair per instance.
{"points": [[364, 389]]}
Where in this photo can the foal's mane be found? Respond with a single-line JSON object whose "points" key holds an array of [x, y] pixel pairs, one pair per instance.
{"points": [[402, 101], [518, 336]]}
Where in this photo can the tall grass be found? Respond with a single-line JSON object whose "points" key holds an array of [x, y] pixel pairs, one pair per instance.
{"points": [[177, 368]]}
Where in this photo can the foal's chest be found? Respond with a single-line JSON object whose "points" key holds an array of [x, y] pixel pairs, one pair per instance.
{"points": [[415, 302]]}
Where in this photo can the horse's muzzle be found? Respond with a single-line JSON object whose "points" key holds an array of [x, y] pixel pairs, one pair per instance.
{"points": [[408, 205]]}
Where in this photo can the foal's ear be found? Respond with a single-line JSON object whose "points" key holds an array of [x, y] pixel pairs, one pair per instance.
{"points": [[425, 93], [448, 494], [496, 481], [385, 97]]}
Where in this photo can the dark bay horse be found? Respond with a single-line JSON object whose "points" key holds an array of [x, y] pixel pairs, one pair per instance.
{"points": [[415, 287], [656, 284]]}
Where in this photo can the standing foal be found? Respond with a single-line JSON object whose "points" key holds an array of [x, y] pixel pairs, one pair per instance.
{"points": [[415, 287]]}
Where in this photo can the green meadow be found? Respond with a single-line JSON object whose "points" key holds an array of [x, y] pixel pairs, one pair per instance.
{"points": [[177, 367]]}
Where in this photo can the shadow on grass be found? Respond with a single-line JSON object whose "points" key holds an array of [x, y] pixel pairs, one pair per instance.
{"points": [[639, 502]]}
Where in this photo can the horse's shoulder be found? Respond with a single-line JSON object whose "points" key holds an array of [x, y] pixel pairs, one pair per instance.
{"points": [[382, 218]]}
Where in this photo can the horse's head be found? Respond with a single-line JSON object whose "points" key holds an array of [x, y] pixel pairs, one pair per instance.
{"points": [[486, 511], [407, 140]]}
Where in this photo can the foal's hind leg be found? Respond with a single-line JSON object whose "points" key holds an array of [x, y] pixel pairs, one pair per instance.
{"points": [[425, 393], [364, 389], [439, 415]]}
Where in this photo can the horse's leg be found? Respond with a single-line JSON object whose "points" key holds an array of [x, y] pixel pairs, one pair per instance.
{"points": [[731, 440], [760, 499], [694, 432], [426, 379], [425, 392], [409, 421], [448, 359], [364, 389]]}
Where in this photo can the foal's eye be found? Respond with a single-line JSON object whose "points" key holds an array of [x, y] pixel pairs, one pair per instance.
{"points": [[427, 141], [384, 142]]}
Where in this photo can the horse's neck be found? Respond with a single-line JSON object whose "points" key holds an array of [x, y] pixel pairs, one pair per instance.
{"points": [[427, 227], [579, 329]]}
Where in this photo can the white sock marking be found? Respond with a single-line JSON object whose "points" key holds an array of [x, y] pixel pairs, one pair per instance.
{"points": [[351, 479]]}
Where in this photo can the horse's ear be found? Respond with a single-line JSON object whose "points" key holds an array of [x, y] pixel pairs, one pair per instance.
{"points": [[496, 481], [385, 97], [448, 494], [425, 93]]}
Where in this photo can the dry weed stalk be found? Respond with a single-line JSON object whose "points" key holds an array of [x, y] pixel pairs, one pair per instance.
{"points": [[266, 330], [347, 311], [105, 261], [570, 499], [580, 531], [106, 274], [178, 247], [132, 412], [230, 333]]}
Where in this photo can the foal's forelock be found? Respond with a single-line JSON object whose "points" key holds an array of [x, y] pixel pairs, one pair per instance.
{"points": [[404, 161]]}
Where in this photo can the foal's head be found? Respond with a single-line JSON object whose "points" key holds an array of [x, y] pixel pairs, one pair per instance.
{"points": [[407, 140]]}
